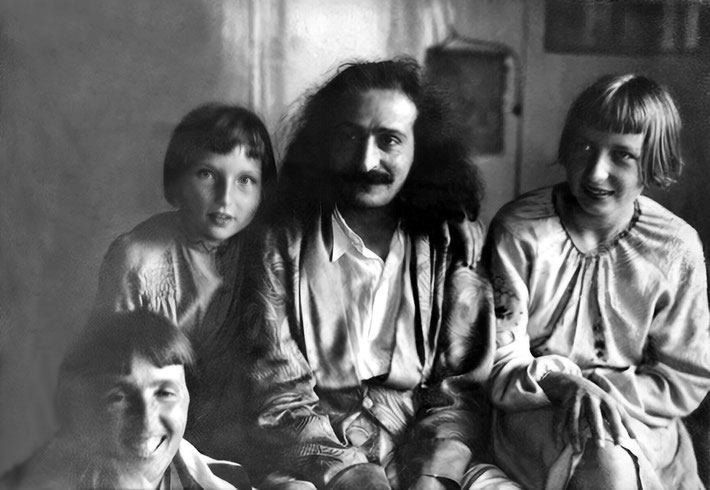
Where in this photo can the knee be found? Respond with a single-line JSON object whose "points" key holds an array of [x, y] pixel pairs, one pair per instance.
{"points": [[604, 467]]}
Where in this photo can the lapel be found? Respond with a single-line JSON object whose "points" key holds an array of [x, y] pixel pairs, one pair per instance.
{"points": [[430, 273]]}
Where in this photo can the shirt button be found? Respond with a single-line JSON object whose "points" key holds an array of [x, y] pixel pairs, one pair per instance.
{"points": [[367, 403]]}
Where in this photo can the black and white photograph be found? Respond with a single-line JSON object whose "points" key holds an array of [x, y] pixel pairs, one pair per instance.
{"points": [[354, 244]]}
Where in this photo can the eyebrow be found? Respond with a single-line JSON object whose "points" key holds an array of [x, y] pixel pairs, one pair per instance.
{"points": [[378, 129]]}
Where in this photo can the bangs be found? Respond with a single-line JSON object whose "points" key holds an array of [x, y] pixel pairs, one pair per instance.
{"points": [[620, 108], [631, 104], [109, 345]]}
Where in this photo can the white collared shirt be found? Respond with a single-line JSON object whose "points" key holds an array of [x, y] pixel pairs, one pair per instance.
{"points": [[381, 308]]}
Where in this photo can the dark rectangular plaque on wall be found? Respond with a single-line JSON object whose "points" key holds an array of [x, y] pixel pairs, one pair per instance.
{"points": [[628, 27], [476, 81]]}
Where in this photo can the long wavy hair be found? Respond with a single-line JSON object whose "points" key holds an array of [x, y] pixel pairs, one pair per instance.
{"points": [[443, 182]]}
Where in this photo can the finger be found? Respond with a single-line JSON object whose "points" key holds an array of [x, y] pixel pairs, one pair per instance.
{"points": [[595, 420], [573, 423], [627, 420], [616, 425], [559, 419]]}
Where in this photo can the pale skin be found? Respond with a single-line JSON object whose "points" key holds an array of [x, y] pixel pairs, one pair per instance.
{"points": [[603, 184], [141, 421]]}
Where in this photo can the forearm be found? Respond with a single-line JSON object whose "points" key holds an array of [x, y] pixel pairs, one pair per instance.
{"points": [[653, 395]]}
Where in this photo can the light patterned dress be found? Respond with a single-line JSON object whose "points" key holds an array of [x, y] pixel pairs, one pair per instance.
{"points": [[632, 316], [157, 267]]}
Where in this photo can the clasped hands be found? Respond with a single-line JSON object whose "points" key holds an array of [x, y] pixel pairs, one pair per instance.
{"points": [[579, 401]]}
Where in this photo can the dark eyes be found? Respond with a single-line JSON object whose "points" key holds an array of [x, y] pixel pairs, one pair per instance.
{"points": [[115, 398], [246, 180], [205, 174], [388, 140], [165, 393], [209, 175], [352, 137], [624, 155]]}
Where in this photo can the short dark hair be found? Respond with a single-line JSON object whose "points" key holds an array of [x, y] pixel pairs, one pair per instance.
{"points": [[631, 104], [109, 343], [217, 128], [443, 181], [111, 340]]}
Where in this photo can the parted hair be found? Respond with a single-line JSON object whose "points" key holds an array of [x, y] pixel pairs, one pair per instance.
{"points": [[443, 181], [217, 128], [629, 104]]}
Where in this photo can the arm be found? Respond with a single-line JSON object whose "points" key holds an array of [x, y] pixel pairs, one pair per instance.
{"points": [[674, 375], [516, 373], [297, 434], [122, 283], [452, 420]]}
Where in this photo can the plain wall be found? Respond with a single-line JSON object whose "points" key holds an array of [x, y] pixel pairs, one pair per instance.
{"points": [[90, 90]]}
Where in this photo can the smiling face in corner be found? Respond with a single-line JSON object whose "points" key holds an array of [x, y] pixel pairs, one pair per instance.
{"points": [[143, 414], [220, 194]]}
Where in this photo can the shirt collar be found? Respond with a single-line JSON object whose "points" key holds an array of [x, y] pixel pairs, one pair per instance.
{"points": [[344, 238]]}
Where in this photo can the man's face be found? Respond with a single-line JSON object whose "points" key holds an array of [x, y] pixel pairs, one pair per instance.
{"points": [[372, 147], [143, 415]]}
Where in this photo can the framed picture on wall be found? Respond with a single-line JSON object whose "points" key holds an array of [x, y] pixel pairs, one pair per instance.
{"points": [[631, 27]]}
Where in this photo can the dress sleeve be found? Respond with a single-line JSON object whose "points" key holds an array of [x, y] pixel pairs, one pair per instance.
{"points": [[514, 379], [289, 425], [129, 279], [674, 376]]}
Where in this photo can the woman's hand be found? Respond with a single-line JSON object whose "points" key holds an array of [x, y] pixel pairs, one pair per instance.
{"points": [[579, 400]]}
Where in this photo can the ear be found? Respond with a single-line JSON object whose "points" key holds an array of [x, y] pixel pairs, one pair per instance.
{"points": [[176, 193]]}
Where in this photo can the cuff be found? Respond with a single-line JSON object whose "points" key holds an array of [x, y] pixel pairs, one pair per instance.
{"points": [[359, 476], [448, 460], [542, 365]]}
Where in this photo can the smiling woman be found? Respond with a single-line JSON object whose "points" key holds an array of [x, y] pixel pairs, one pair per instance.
{"points": [[601, 306], [123, 404]]}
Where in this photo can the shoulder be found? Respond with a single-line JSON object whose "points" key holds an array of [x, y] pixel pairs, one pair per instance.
{"points": [[146, 243], [532, 210], [292, 227], [665, 236]]}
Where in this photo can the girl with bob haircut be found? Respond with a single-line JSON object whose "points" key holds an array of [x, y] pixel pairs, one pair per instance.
{"points": [[601, 305], [219, 169]]}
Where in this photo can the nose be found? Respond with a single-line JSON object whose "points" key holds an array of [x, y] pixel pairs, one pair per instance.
{"points": [[223, 189], [144, 416], [598, 167], [370, 154]]}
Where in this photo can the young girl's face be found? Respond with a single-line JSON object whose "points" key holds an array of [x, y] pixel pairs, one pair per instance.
{"points": [[603, 171], [220, 194]]}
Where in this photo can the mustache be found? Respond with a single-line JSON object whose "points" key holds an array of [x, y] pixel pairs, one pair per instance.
{"points": [[373, 177]]}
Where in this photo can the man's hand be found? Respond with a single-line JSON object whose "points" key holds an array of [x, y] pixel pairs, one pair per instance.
{"points": [[460, 228], [579, 400]]}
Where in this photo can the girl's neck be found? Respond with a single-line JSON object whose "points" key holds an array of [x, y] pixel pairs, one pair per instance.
{"points": [[587, 231], [194, 239]]}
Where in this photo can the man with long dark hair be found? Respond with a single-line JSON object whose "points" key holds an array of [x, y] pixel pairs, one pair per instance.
{"points": [[369, 333]]}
